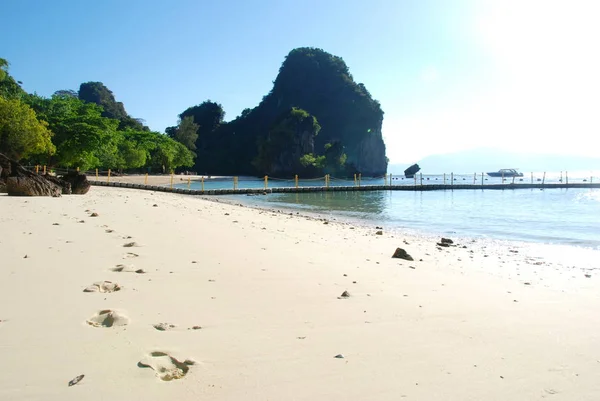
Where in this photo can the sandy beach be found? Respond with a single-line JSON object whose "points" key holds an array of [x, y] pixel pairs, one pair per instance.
{"points": [[218, 301]]}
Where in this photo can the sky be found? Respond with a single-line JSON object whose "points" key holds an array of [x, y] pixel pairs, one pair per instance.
{"points": [[450, 75]]}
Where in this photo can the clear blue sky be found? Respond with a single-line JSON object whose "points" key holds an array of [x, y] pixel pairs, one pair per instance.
{"points": [[450, 75]]}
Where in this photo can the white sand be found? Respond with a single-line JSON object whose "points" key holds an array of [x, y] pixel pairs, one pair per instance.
{"points": [[265, 292]]}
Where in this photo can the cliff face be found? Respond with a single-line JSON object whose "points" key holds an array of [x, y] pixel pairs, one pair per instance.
{"points": [[319, 83], [289, 139], [97, 92]]}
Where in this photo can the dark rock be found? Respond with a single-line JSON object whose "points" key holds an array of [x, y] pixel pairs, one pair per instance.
{"points": [[66, 187], [447, 241], [79, 182], [444, 244], [379, 232], [33, 185], [22, 182], [411, 171], [401, 254], [345, 294]]}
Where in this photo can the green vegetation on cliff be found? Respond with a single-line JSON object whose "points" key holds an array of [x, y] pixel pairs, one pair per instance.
{"points": [[317, 83], [316, 120], [67, 131]]}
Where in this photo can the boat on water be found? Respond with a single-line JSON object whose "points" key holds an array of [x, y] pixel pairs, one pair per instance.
{"points": [[506, 173]]}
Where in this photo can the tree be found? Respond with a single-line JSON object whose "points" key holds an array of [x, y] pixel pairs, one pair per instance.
{"points": [[21, 134], [66, 92], [186, 133], [170, 154], [80, 131], [9, 88]]}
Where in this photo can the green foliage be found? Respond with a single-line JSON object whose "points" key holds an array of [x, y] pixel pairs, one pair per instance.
{"points": [[290, 137], [335, 158], [310, 160], [210, 146], [311, 80], [9, 88], [79, 129], [170, 154], [186, 133], [21, 134]]}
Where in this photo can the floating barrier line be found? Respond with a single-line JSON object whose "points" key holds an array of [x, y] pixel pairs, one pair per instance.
{"points": [[418, 187]]}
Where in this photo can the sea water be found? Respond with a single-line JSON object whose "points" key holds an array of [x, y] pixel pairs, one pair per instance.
{"points": [[555, 216]]}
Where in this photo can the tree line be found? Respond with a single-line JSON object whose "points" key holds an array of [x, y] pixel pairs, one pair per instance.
{"points": [[67, 131]]}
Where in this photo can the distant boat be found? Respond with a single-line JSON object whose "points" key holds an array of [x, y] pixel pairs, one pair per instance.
{"points": [[505, 172]]}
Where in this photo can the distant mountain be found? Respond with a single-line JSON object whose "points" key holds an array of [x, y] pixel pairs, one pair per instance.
{"points": [[487, 159]]}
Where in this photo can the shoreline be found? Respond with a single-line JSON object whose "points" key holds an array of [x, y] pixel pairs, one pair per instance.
{"points": [[481, 322]]}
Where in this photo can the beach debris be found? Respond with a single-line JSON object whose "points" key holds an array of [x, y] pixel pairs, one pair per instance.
{"points": [[339, 356], [345, 294], [195, 327], [81, 221], [155, 205], [527, 283], [226, 214], [412, 267], [163, 326], [443, 244], [379, 232], [103, 286], [25, 257], [76, 380], [165, 366], [588, 275], [55, 224], [129, 245], [94, 214], [446, 241], [325, 222], [402, 254], [379, 228], [108, 318], [108, 230]]}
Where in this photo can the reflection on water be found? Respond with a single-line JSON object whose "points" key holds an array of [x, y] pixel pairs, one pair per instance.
{"points": [[566, 216], [367, 204]]}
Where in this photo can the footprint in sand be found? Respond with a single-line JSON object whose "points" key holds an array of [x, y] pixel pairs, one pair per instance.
{"points": [[165, 366], [127, 269], [130, 244], [108, 318], [130, 255], [103, 286]]}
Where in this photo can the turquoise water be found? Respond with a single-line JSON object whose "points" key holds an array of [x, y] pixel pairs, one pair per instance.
{"points": [[556, 216]]}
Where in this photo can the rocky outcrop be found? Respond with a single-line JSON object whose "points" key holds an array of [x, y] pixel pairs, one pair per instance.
{"points": [[78, 182], [411, 171], [31, 185], [65, 186], [21, 182]]}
